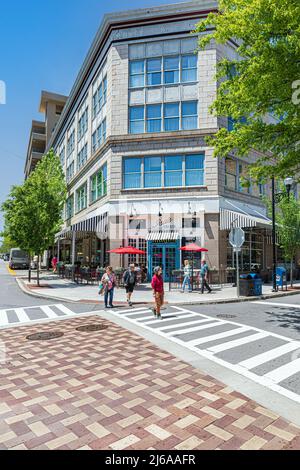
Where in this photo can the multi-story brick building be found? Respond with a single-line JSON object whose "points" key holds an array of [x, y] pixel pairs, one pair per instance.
{"points": [[132, 142]]}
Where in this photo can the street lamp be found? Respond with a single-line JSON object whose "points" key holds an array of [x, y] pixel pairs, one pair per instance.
{"points": [[288, 183]]}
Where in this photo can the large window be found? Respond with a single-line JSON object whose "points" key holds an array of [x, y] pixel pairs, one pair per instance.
{"points": [[71, 143], [167, 117], [99, 97], [81, 198], [237, 176], [168, 171], [231, 174], [99, 136], [99, 184], [70, 207], [82, 157], [168, 70], [70, 172], [83, 124], [62, 156]]}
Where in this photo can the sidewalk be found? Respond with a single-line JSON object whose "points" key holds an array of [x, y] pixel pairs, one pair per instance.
{"points": [[111, 389], [52, 287]]}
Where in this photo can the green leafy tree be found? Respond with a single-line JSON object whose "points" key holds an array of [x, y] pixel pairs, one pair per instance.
{"points": [[33, 211], [265, 79]]}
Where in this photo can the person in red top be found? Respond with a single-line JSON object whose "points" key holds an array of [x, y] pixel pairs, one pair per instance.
{"points": [[158, 290]]}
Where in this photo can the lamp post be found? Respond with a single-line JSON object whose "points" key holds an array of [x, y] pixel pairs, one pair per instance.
{"points": [[277, 197]]}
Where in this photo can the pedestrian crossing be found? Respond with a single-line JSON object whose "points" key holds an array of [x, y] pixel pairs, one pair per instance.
{"points": [[39, 313], [270, 359]]}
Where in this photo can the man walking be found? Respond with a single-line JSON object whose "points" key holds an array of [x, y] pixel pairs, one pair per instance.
{"points": [[204, 277], [130, 280]]}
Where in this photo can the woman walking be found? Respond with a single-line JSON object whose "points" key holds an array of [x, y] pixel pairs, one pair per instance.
{"points": [[108, 282], [187, 273], [158, 291]]}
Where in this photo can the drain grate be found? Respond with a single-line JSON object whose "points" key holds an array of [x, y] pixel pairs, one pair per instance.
{"points": [[45, 336], [94, 327], [226, 315]]}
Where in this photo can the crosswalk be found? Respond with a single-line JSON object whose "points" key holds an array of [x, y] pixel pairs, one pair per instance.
{"points": [[270, 359], [39, 313]]}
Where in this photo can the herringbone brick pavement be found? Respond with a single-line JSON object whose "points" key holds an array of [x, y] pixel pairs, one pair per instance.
{"points": [[112, 389]]}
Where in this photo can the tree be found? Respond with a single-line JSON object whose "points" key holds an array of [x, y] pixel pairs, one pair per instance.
{"points": [[33, 211], [264, 80], [6, 243], [288, 226]]}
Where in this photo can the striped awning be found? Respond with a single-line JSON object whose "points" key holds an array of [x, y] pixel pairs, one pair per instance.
{"points": [[162, 236], [230, 219], [97, 224]]}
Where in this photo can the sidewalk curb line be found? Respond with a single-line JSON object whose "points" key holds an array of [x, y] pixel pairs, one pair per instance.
{"points": [[205, 302]]}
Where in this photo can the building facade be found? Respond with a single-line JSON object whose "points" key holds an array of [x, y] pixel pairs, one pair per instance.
{"points": [[132, 141]]}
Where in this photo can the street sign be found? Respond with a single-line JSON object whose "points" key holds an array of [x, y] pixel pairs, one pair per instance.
{"points": [[236, 237]]}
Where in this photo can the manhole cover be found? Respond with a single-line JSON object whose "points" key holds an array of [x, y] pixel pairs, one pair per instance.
{"points": [[45, 336], [226, 315], [94, 327]]}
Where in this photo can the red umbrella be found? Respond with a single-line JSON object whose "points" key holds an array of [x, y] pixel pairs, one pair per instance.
{"points": [[194, 249], [127, 250]]}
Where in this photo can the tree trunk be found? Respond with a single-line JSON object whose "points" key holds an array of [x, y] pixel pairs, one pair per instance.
{"points": [[291, 272], [38, 271]]}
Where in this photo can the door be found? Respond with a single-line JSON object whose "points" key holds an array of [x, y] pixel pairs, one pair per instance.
{"points": [[166, 255]]}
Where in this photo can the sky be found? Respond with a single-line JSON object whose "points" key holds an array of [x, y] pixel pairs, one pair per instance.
{"points": [[43, 44]]}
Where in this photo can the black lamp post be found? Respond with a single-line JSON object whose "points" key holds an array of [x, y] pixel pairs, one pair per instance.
{"points": [[277, 197]]}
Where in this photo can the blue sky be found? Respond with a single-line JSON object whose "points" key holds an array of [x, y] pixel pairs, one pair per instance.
{"points": [[42, 46]]}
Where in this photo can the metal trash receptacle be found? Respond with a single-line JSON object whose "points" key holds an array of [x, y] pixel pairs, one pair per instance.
{"points": [[250, 285]]}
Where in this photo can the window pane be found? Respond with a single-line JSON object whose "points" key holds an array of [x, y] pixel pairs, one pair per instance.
{"points": [[172, 77], [230, 181], [189, 122], [194, 162], [171, 63], [171, 110], [153, 111], [152, 180], [189, 108], [136, 67], [154, 78], [154, 125], [153, 65], [172, 124], [137, 81], [173, 178], [194, 178], [189, 61], [153, 164], [137, 127], [173, 163], [132, 181], [136, 112], [132, 165], [189, 75]]}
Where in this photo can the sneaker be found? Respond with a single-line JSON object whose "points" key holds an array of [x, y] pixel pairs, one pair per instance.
{"points": [[154, 311], [111, 306], [130, 304]]}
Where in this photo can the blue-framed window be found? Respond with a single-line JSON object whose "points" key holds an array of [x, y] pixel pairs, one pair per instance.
{"points": [[99, 136], [152, 172], [83, 124], [70, 171], [154, 72], [100, 97], [81, 198], [99, 184], [137, 73], [173, 170], [153, 117], [62, 156], [189, 68], [70, 207], [189, 115], [163, 171], [136, 119], [171, 117], [82, 157], [171, 70], [71, 143]]}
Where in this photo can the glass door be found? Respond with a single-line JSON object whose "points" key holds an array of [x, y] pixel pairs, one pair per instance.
{"points": [[166, 255]]}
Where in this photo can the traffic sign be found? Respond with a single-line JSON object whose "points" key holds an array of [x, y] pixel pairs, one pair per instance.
{"points": [[236, 237]]}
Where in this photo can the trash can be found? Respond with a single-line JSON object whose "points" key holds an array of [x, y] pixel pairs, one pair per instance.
{"points": [[280, 276], [250, 285]]}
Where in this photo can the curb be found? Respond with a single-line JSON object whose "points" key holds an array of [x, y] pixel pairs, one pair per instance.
{"points": [[205, 302]]}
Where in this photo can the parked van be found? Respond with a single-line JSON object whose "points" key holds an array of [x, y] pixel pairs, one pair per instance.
{"points": [[18, 259]]}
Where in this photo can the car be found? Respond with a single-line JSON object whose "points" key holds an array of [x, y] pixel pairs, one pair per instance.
{"points": [[18, 259]]}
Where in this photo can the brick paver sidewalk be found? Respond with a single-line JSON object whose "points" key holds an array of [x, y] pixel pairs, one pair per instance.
{"points": [[111, 389]]}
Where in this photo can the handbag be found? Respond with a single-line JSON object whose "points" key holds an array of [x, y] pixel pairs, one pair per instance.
{"points": [[101, 289]]}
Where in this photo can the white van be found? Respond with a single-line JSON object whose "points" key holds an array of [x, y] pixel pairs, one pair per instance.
{"points": [[18, 259]]}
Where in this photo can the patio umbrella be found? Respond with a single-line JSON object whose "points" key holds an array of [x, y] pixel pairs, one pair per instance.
{"points": [[193, 248], [127, 250]]}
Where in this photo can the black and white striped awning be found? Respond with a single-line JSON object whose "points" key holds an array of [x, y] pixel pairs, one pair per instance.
{"points": [[230, 219], [97, 224], [162, 236]]}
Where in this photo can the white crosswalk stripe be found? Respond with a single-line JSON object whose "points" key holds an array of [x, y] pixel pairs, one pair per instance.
{"points": [[191, 333]]}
